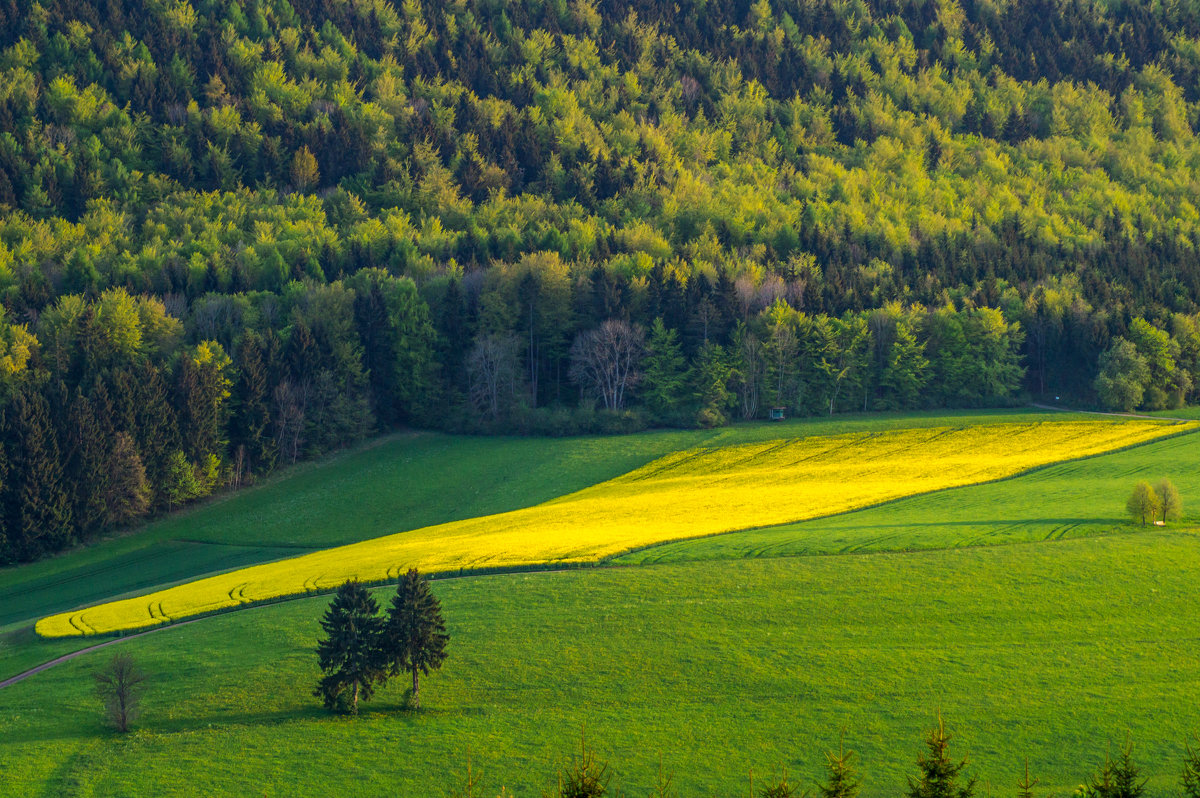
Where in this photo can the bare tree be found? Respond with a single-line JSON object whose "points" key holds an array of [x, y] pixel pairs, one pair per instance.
{"points": [[119, 685], [604, 361], [291, 403], [492, 373], [749, 353]]}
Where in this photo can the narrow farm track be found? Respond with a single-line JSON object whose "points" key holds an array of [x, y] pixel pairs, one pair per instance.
{"points": [[20, 677], [1057, 409]]}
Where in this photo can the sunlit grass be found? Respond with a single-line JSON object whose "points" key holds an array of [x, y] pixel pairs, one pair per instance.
{"points": [[695, 492]]}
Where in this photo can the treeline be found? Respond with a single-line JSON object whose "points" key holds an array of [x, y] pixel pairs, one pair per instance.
{"points": [[114, 409], [236, 233]]}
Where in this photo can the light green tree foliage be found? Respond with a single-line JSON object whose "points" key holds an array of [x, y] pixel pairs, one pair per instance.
{"points": [[1166, 385], [1121, 383], [1143, 503], [905, 371], [1170, 505]]}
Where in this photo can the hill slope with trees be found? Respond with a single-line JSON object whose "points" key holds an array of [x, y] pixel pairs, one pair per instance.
{"points": [[236, 234]]}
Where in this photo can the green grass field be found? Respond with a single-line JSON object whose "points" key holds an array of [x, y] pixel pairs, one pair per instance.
{"points": [[720, 654], [1052, 650], [403, 482]]}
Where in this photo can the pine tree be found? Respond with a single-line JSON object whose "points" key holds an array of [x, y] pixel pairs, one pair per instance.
{"points": [[42, 503], [415, 636], [842, 781], [128, 490], [1117, 778], [251, 419], [664, 371], [939, 774], [350, 655], [87, 464], [1025, 785], [1191, 772]]}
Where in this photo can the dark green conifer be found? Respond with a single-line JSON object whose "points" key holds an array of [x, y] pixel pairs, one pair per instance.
{"points": [[350, 655], [939, 773], [415, 636]]}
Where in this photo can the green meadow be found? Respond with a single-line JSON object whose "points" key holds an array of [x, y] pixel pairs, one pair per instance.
{"points": [[1028, 611]]}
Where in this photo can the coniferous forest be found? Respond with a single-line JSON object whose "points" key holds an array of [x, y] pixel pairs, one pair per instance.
{"points": [[236, 234]]}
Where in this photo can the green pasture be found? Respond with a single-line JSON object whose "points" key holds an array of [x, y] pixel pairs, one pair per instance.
{"points": [[403, 482], [1071, 499], [720, 655], [1053, 650]]}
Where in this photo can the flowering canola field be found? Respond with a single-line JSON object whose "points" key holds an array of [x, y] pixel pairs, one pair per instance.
{"points": [[690, 493]]}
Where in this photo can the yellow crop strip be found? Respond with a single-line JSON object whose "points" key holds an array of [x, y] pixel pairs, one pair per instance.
{"points": [[690, 493]]}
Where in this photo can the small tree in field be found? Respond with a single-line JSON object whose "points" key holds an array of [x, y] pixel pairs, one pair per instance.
{"points": [[350, 655], [119, 685], [1170, 506], [586, 777], [1142, 503], [415, 636], [1191, 772], [1117, 778], [1025, 785], [842, 782], [939, 773]]}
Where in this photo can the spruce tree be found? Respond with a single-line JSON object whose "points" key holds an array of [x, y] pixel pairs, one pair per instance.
{"points": [[939, 774], [42, 502], [350, 655], [664, 382], [415, 635], [1025, 785], [842, 781], [251, 421], [1191, 772]]}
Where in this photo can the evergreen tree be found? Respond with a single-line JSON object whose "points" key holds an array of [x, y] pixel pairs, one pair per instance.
{"points": [[250, 419], [842, 782], [939, 773], [350, 655], [128, 491], [1025, 785], [1191, 772], [415, 634], [42, 502], [712, 376], [664, 372], [88, 464], [1119, 778]]}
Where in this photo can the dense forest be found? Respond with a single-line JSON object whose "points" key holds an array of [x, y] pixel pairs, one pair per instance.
{"points": [[234, 234]]}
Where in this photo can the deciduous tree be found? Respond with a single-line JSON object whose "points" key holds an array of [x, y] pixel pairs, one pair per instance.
{"points": [[120, 685], [1170, 506], [1142, 503]]}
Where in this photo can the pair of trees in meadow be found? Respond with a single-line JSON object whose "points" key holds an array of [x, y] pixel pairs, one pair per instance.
{"points": [[364, 649], [1160, 502]]}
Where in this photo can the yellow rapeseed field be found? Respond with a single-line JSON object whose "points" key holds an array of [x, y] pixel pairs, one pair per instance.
{"points": [[690, 493]]}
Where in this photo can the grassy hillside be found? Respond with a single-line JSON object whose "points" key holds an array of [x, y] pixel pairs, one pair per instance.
{"points": [[1052, 650], [404, 482], [1074, 499], [693, 492]]}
